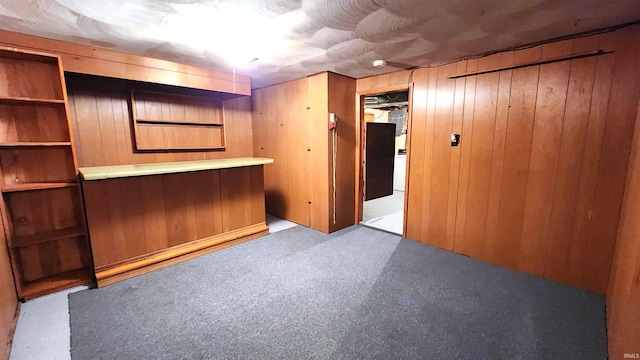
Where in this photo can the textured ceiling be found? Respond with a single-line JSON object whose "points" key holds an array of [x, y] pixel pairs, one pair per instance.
{"points": [[295, 38]]}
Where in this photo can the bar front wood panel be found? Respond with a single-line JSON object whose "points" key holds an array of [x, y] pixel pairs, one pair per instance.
{"points": [[135, 221], [537, 181], [8, 300], [103, 131], [623, 295]]}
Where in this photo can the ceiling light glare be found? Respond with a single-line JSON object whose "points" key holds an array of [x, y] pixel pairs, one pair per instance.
{"points": [[379, 63]]}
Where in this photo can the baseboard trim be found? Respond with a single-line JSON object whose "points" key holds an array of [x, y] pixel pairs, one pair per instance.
{"points": [[129, 268]]}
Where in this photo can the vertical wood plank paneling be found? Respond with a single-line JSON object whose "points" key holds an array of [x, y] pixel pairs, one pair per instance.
{"points": [[499, 140], [454, 165], [85, 115], [152, 206], [257, 194], [341, 94], [574, 131], [103, 130], [190, 207], [590, 165], [188, 218], [537, 182], [319, 176], [427, 161], [543, 163], [515, 168], [281, 127], [439, 194], [623, 294], [416, 154], [615, 154], [175, 209], [208, 202], [465, 156], [235, 213], [99, 217], [481, 148], [117, 217], [134, 220]]}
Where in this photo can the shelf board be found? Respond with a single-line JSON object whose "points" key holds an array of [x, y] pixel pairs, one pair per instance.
{"points": [[173, 122], [37, 186], [29, 240], [33, 144], [28, 100], [48, 285]]}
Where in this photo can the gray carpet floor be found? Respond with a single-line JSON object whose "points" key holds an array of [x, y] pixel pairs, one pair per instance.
{"points": [[359, 293]]}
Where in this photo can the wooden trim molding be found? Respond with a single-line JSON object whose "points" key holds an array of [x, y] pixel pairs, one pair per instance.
{"points": [[112, 273], [532, 63], [85, 59]]}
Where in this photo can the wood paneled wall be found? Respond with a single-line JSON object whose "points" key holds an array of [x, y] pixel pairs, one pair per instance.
{"points": [[623, 295], [341, 91], [145, 222], [103, 135], [537, 181], [290, 126], [108, 63], [8, 300], [280, 131]]}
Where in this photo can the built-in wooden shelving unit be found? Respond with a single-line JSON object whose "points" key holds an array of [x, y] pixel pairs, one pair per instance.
{"points": [[41, 201], [177, 122]]}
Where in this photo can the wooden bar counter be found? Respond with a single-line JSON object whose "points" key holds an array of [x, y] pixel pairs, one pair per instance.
{"points": [[147, 216]]}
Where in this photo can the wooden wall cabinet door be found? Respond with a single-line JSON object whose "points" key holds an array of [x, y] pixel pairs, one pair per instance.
{"points": [[41, 200]]}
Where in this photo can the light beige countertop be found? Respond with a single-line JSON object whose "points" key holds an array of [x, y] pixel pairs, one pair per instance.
{"points": [[118, 171]]}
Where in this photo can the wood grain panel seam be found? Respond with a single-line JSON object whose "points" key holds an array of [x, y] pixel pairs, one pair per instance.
{"points": [[526, 182], [557, 166]]}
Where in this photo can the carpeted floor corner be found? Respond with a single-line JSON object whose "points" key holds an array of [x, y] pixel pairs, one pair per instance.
{"points": [[359, 293]]}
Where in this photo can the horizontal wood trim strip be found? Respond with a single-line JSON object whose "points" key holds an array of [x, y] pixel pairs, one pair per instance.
{"points": [[118, 171], [385, 89], [128, 71], [35, 144], [27, 55], [37, 186], [27, 100], [177, 123], [106, 275], [149, 95], [55, 283], [29, 240], [94, 61], [532, 63]]}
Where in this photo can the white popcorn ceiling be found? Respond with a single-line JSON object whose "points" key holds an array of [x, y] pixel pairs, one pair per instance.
{"points": [[304, 37]]}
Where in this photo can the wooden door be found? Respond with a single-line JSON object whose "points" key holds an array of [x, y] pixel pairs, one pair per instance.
{"points": [[379, 155]]}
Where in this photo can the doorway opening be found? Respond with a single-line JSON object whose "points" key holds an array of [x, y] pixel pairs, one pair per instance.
{"points": [[385, 118]]}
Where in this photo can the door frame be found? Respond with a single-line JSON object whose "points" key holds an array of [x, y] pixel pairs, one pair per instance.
{"points": [[361, 141]]}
